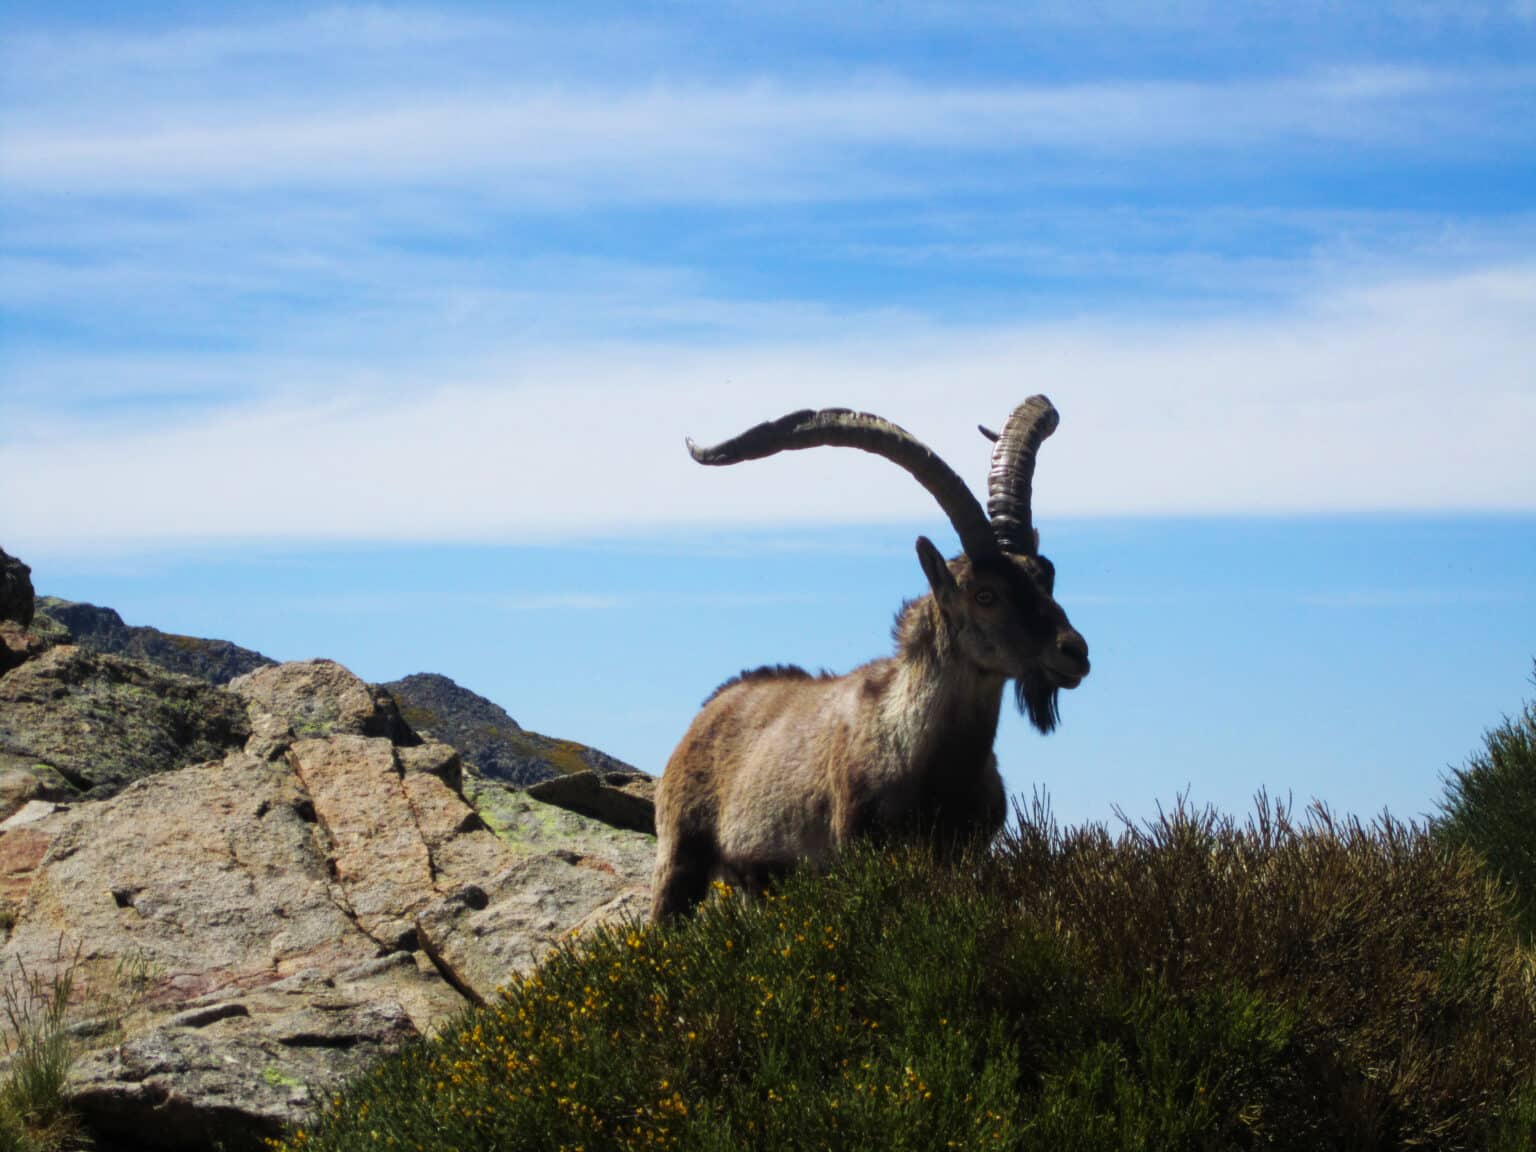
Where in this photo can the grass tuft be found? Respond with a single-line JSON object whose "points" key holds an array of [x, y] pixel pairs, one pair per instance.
{"points": [[34, 1116], [40, 1010]]}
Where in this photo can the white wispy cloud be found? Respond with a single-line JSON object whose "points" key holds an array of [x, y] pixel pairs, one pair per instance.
{"points": [[301, 298], [758, 140], [306, 278], [1409, 395], [113, 69]]}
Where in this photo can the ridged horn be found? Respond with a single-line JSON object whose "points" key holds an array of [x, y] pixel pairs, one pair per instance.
{"points": [[1012, 475], [845, 428]]}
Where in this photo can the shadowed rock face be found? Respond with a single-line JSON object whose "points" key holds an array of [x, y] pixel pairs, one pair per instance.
{"points": [[623, 799], [15, 590], [19, 640], [310, 893], [488, 738]]}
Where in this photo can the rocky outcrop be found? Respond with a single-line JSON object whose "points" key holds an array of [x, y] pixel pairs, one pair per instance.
{"points": [[16, 601], [490, 740], [85, 723], [103, 630], [252, 929], [263, 887]]}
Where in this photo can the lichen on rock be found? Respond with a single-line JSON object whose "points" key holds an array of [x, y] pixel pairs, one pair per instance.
{"points": [[101, 722]]}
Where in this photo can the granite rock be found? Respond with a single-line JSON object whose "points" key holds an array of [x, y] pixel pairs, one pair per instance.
{"points": [[250, 931]]}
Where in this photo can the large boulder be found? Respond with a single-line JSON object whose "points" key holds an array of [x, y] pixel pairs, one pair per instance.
{"points": [[492, 742], [623, 799], [307, 699], [101, 722], [103, 630], [251, 931], [233, 1073]]}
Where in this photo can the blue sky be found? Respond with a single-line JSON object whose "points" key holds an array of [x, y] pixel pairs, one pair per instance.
{"points": [[374, 332]]}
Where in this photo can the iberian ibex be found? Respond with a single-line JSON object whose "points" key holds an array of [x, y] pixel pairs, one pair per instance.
{"points": [[782, 767]]}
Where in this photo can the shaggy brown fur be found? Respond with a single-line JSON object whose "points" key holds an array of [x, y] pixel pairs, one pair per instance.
{"points": [[767, 672]]}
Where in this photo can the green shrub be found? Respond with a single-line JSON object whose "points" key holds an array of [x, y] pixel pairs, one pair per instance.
{"points": [[1490, 806], [1192, 984], [1411, 992]]}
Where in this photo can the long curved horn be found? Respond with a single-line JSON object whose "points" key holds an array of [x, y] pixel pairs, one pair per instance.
{"points": [[1013, 472], [845, 428]]}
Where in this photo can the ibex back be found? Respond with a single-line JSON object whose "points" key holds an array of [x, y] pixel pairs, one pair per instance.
{"points": [[782, 767]]}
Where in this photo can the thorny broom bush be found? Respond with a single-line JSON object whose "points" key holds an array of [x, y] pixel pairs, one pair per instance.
{"points": [[1190, 984], [1490, 806]]}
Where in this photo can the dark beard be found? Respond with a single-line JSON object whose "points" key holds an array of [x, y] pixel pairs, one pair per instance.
{"points": [[1037, 699]]}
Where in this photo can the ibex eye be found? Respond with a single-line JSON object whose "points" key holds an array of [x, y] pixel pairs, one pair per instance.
{"points": [[986, 597]]}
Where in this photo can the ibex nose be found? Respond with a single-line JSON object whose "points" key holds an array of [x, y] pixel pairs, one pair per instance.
{"points": [[1075, 648]]}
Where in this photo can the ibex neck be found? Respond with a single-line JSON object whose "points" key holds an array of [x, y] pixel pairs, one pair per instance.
{"points": [[941, 703]]}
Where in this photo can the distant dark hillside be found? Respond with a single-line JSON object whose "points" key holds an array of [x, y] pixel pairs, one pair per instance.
{"points": [[487, 737], [103, 630]]}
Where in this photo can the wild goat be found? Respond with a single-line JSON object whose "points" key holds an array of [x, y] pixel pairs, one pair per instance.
{"points": [[782, 767]]}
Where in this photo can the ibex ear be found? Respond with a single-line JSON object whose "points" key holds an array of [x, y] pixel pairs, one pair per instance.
{"points": [[940, 578]]}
